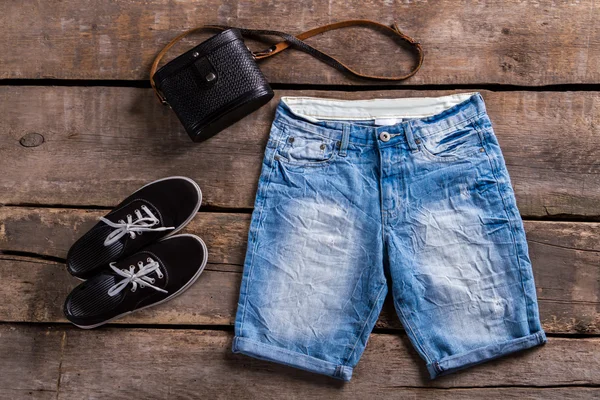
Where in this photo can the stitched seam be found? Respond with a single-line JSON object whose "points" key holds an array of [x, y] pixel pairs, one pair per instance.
{"points": [[512, 234], [306, 164], [418, 339], [381, 194], [346, 118], [369, 118], [288, 125], [350, 141], [365, 324], [309, 164], [450, 128], [448, 159], [532, 337], [255, 238], [285, 98], [314, 360]]}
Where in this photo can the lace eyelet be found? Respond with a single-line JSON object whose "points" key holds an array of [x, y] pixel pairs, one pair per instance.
{"points": [[133, 289], [142, 285], [152, 280], [149, 259], [140, 264]]}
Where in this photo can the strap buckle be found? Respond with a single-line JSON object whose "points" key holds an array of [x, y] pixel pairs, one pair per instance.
{"points": [[264, 53]]}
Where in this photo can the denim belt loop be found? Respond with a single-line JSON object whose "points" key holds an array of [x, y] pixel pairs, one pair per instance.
{"points": [[410, 139], [345, 140]]}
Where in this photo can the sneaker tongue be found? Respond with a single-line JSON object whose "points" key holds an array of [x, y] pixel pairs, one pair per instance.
{"points": [[122, 213]]}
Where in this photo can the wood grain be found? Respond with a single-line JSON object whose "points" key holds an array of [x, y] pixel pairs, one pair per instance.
{"points": [[29, 361], [565, 259], [100, 144], [466, 42], [166, 363]]}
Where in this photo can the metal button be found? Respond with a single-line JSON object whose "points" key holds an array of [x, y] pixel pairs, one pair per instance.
{"points": [[291, 140], [384, 136], [322, 147], [195, 54]]}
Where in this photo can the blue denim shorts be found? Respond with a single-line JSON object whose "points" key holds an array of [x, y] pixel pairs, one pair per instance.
{"points": [[358, 197]]}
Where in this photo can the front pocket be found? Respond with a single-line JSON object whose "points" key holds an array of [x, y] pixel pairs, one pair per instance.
{"points": [[459, 143], [303, 148]]}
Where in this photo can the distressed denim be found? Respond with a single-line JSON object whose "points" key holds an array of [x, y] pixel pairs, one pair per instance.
{"points": [[359, 197]]}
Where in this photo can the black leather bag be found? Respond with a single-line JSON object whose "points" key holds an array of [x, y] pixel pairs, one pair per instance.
{"points": [[218, 82]]}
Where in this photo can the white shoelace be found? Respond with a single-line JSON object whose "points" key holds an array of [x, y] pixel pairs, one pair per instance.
{"points": [[131, 227], [136, 278]]}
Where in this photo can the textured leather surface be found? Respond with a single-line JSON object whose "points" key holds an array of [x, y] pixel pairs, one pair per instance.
{"points": [[193, 100]]}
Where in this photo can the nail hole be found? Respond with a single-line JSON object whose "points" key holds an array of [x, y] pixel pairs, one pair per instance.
{"points": [[32, 139]]}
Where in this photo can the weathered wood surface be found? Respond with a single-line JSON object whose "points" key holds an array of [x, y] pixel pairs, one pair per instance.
{"points": [[466, 42], [92, 146], [29, 361], [565, 256], [166, 363], [100, 144]]}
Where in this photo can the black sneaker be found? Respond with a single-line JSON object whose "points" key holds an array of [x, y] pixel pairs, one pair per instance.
{"points": [[154, 275], [157, 210]]}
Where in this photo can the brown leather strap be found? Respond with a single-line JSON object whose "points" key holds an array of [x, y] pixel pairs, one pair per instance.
{"points": [[279, 47], [297, 41]]}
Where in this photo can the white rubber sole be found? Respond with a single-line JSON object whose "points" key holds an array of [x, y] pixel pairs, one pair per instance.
{"points": [[177, 293]]}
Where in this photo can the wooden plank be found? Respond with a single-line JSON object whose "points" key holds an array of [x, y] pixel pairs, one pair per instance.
{"points": [[565, 257], [35, 291], [165, 363], [189, 362], [50, 232], [515, 42], [29, 361], [103, 143]]}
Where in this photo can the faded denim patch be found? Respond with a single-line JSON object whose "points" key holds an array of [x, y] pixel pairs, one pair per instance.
{"points": [[356, 197]]}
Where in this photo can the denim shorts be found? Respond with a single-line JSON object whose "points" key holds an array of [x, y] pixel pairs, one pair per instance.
{"points": [[358, 197]]}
